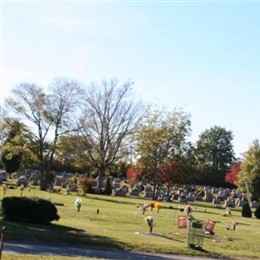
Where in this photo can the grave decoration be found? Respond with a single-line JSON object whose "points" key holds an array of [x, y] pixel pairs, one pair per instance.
{"points": [[149, 221], [78, 203]]}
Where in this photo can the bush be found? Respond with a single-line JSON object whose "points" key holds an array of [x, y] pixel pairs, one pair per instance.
{"points": [[246, 211], [257, 212], [25, 209], [108, 188]]}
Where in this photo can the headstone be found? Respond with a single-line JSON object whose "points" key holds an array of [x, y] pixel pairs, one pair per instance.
{"points": [[148, 194], [208, 197], [198, 197], [254, 204], [230, 203], [134, 192], [119, 192], [216, 201]]}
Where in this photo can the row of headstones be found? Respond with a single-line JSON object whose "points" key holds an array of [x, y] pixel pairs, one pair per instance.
{"points": [[236, 202], [178, 194]]}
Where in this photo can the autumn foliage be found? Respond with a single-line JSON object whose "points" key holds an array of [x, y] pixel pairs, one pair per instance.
{"points": [[232, 176], [133, 173], [171, 173]]}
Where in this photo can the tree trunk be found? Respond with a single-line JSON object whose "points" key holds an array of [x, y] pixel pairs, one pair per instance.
{"points": [[154, 191], [42, 184], [100, 178]]}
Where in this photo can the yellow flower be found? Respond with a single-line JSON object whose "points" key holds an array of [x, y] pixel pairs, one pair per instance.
{"points": [[158, 205]]}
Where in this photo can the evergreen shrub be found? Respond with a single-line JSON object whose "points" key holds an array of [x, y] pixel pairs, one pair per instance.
{"points": [[108, 187], [257, 212], [35, 210], [246, 211]]}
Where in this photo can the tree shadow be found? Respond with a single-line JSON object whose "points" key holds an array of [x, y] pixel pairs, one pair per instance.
{"points": [[209, 253], [53, 234], [64, 236], [165, 236], [119, 200]]}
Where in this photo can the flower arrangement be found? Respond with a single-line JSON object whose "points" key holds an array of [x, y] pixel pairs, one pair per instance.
{"points": [[143, 207], [4, 188], [78, 203], [151, 204], [188, 210], [158, 206], [149, 222]]}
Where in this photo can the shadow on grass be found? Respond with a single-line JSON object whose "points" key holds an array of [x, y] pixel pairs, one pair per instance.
{"points": [[209, 253], [194, 247], [166, 237], [53, 234], [119, 200], [58, 235]]}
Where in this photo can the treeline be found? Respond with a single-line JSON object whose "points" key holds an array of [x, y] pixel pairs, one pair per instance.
{"points": [[103, 129]]}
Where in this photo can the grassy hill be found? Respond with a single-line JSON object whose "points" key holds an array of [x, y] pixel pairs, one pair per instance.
{"points": [[117, 222]]}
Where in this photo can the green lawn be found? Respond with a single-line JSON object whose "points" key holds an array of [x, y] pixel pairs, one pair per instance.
{"points": [[120, 224]]}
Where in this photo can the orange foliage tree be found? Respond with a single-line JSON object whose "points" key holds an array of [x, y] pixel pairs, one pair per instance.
{"points": [[232, 176]]}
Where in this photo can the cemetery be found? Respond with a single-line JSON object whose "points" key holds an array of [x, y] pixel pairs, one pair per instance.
{"points": [[131, 218]]}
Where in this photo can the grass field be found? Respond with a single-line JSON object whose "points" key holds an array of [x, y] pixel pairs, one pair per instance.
{"points": [[117, 222]]}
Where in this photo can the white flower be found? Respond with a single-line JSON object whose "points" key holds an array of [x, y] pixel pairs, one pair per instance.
{"points": [[149, 221], [78, 202]]}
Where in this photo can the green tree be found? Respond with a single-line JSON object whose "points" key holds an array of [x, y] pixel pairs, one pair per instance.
{"points": [[161, 143], [214, 152], [71, 154], [249, 175], [109, 120], [11, 152], [15, 152]]}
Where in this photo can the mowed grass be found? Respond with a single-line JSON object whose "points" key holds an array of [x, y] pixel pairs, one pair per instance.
{"points": [[116, 222]]}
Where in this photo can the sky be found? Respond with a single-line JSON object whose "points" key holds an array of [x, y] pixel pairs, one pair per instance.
{"points": [[200, 56]]}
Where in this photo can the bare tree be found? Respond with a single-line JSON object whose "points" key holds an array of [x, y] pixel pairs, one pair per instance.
{"points": [[48, 115], [110, 118], [64, 106]]}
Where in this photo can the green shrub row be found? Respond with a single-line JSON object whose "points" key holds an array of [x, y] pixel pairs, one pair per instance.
{"points": [[26, 209]]}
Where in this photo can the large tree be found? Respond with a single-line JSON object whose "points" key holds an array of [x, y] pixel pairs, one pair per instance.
{"points": [[64, 101], [215, 154], [161, 143], [28, 104], [249, 175], [47, 115], [110, 118]]}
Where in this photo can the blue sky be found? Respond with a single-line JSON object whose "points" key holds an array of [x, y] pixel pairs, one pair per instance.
{"points": [[201, 56]]}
